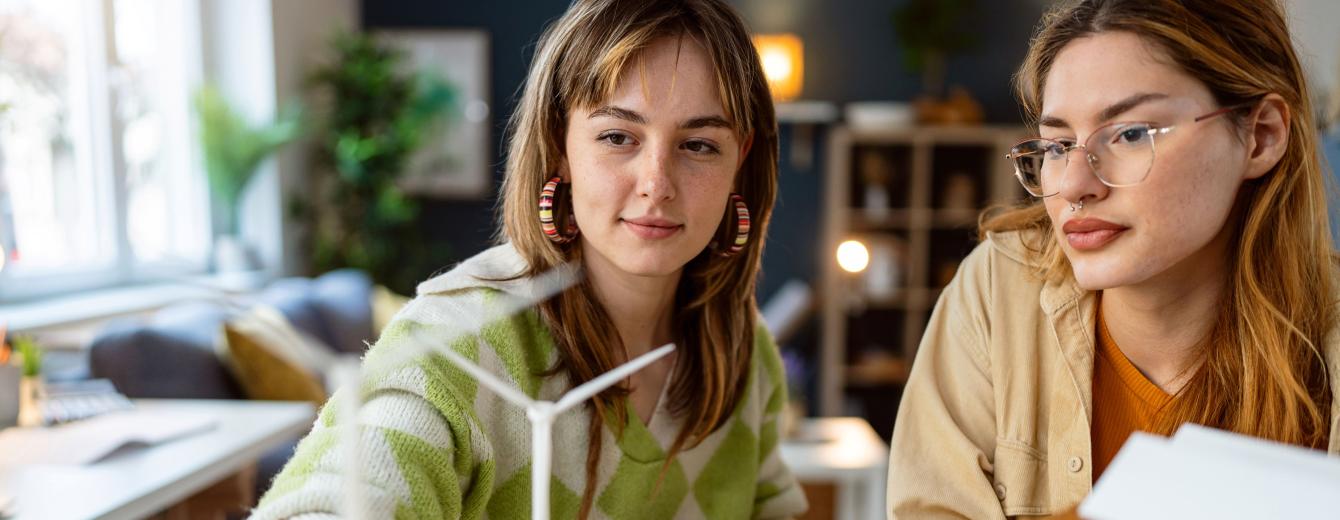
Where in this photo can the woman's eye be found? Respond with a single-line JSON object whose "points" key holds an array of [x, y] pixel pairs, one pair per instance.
{"points": [[1131, 135], [615, 138], [1055, 150], [700, 147]]}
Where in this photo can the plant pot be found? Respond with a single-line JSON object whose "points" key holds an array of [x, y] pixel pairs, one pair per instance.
{"points": [[32, 390], [9, 395]]}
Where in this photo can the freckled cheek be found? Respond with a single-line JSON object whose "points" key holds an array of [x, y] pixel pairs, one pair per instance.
{"points": [[705, 192], [1188, 204], [598, 190], [1208, 177]]}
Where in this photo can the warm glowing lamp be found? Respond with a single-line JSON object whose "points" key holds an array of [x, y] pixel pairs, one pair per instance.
{"points": [[783, 60], [853, 256]]}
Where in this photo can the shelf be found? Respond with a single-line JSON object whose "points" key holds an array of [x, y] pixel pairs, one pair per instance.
{"points": [[807, 112], [899, 301], [878, 371], [956, 217], [886, 219], [946, 134], [889, 219], [920, 298], [929, 186], [902, 218]]}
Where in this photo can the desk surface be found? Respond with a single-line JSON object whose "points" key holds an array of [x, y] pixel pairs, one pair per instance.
{"points": [[141, 482], [846, 452], [835, 448]]}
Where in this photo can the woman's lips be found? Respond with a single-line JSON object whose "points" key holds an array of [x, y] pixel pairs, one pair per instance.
{"points": [[652, 229], [1090, 234]]}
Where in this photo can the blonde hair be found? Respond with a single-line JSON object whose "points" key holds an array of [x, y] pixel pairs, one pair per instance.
{"points": [[577, 64], [1262, 371]]}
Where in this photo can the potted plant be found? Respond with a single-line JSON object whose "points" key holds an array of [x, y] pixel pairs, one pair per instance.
{"points": [[928, 32], [233, 150], [31, 386], [375, 116]]}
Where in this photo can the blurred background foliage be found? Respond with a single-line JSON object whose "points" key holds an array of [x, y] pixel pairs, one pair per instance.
{"points": [[373, 115]]}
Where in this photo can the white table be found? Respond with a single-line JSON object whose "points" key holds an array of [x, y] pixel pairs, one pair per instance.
{"points": [[847, 452], [144, 481]]}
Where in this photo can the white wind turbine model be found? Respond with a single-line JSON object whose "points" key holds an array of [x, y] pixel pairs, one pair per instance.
{"points": [[540, 413]]}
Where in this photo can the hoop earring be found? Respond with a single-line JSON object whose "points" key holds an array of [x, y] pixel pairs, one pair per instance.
{"points": [[547, 215], [742, 224]]}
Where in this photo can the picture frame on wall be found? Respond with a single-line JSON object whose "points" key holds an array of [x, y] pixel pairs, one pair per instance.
{"points": [[453, 160]]}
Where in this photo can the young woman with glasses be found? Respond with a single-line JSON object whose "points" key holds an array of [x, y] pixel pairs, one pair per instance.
{"points": [[1175, 266]]}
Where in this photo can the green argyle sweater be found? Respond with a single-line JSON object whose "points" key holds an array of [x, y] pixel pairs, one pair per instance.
{"points": [[434, 444]]}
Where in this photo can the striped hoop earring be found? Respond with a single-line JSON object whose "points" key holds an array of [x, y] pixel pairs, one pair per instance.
{"points": [[742, 228], [547, 215]]}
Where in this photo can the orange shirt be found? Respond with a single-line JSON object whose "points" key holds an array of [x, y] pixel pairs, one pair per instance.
{"points": [[1124, 399]]}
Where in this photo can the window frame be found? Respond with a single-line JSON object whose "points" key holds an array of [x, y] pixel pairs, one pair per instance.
{"points": [[92, 88]]}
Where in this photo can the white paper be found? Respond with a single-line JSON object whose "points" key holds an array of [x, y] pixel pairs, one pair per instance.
{"points": [[89, 441], [1206, 473]]}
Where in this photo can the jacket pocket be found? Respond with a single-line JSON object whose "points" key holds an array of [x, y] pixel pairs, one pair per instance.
{"points": [[1020, 478]]}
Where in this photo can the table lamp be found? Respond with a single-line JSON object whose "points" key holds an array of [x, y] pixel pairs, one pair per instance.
{"points": [[783, 59]]}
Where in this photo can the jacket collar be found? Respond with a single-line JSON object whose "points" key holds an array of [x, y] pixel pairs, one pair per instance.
{"points": [[1071, 312], [500, 268]]}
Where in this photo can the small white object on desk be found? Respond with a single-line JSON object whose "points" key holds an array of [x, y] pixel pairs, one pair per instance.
{"points": [[847, 452], [1206, 473]]}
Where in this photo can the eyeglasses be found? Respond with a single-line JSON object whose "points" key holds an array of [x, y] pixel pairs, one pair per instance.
{"points": [[1120, 154]]}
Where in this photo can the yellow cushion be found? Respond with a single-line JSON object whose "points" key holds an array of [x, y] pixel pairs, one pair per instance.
{"points": [[272, 360], [385, 305]]}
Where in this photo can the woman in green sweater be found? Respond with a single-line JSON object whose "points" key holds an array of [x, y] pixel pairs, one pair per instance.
{"points": [[643, 151]]}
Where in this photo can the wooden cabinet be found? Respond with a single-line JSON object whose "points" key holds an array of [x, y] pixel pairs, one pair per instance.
{"points": [[912, 196]]}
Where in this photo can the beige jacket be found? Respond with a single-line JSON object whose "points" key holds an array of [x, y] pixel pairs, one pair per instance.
{"points": [[994, 421]]}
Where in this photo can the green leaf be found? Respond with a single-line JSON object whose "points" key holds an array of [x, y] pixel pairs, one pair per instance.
{"points": [[376, 115], [924, 26], [233, 148], [31, 353]]}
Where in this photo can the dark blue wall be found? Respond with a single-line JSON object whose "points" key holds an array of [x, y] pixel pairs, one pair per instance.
{"points": [[467, 225], [851, 55]]}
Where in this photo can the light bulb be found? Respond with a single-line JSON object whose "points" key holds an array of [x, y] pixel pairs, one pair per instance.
{"points": [[776, 65], [853, 256]]}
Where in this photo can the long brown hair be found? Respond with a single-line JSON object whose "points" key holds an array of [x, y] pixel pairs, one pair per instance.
{"points": [[577, 64], [1262, 370]]}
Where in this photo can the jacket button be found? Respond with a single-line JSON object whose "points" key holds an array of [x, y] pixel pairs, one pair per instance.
{"points": [[1000, 491], [1075, 464]]}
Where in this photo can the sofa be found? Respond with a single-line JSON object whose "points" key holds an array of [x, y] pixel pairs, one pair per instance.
{"points": [[174, 352]]}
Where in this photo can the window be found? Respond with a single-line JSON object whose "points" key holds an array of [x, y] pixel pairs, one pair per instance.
{"points": [[99, 179]]}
